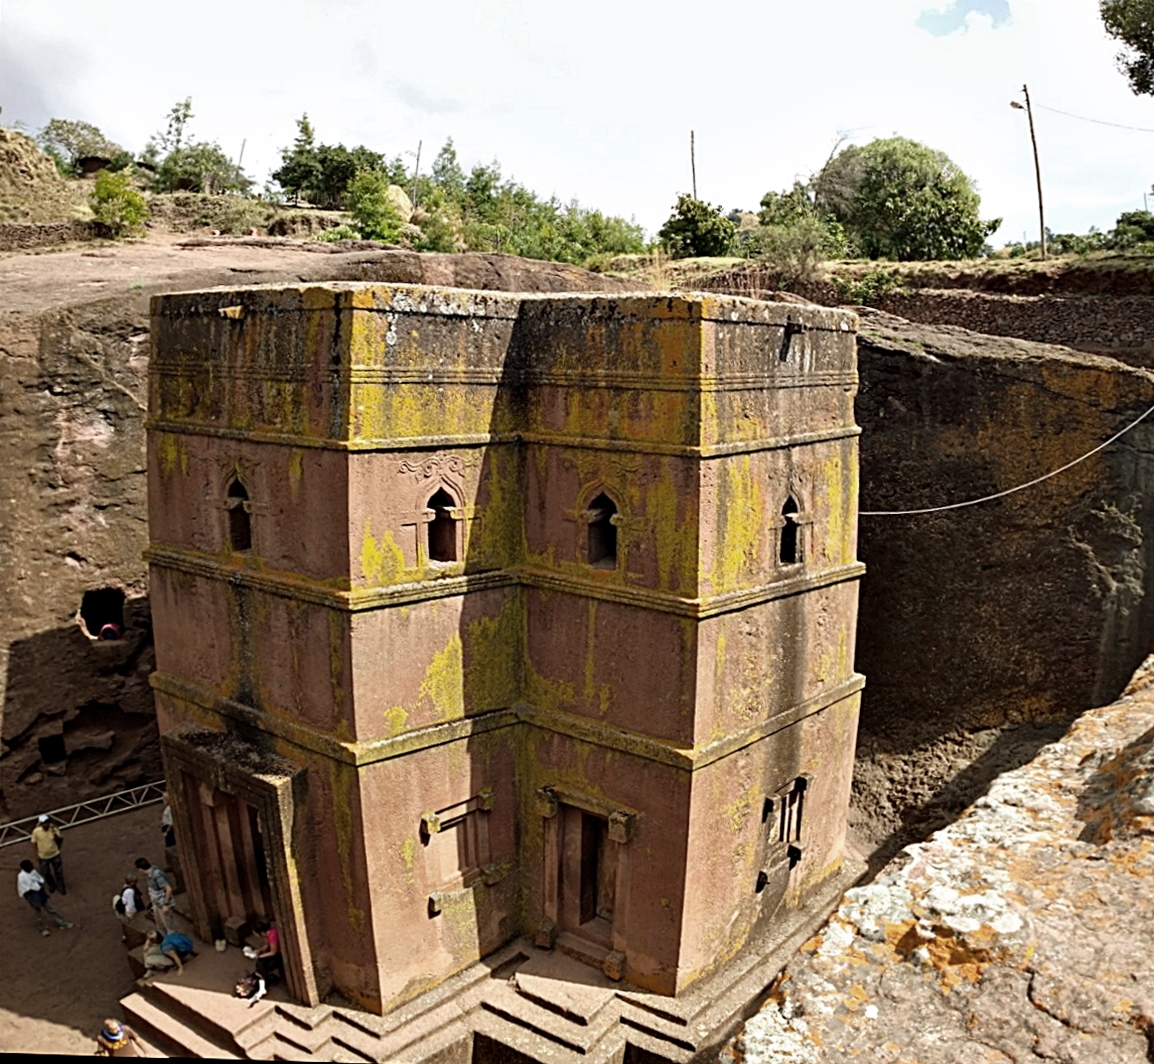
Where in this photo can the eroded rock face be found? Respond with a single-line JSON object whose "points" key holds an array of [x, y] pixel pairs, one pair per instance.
{"points": [[985, 630], [1019, 933]]}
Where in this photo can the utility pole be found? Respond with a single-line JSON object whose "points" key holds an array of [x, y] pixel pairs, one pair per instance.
{"points": [[1037, 168], [416, 170], [693, 163]]}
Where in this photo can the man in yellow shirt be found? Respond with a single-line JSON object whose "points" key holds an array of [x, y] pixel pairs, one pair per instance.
{"points": [[46, 839]]}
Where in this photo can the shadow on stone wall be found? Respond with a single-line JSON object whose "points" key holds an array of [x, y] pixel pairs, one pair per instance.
{"points": [[79, 720]]}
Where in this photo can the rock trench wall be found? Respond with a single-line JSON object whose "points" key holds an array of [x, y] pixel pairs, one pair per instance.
{"points": [[985, 630]]}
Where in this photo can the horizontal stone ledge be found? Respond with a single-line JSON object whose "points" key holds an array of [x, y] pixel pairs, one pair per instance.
{"points": [[495, 378], [360, 600], [583, 729], [485, 439]]}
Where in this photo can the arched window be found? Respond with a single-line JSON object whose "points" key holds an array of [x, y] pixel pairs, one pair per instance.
{"points": [[443, 527], [789, 546], [239, 518], [602, 533]]}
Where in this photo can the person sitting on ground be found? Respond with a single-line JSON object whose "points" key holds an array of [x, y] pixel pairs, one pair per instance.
{"points": [[118, 1040], [269, 963], [30, 886], [176, 947], [155, 959], [159, 893]]}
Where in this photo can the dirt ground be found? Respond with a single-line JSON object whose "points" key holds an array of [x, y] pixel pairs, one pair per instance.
{"points": [[55, 991]]}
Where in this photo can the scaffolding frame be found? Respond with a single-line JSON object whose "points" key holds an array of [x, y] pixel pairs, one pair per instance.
{"points": [[16, 831]]}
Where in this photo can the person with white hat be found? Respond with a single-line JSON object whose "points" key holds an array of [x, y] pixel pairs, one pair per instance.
{"points": [[46, 838]]}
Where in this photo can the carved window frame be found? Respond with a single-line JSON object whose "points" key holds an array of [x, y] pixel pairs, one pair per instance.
{"points": [[803, 520]]}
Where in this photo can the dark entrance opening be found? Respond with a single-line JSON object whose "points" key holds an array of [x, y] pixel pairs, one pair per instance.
{"points": [[239, 520], [102, 612], [602, 533], [789, 552], [598, 875], [442, 528], [52, 748]]}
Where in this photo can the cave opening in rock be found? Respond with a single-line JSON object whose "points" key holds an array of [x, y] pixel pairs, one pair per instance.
{"points": [[102, 612], [52, 748]]}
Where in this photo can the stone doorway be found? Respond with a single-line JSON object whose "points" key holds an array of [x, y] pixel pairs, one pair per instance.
{"points": [[241, 843], [232, 858], [588, 876]]}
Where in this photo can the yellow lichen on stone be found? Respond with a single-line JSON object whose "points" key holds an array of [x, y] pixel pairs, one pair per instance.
{"points": [[171, 452], [443, 684], [383, 561]]}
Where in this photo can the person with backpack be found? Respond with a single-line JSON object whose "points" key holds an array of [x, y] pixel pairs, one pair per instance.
{"points": [[129, 901], [176, 947], [30, 886]]}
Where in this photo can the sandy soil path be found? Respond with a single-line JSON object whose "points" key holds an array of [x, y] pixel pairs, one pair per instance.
{"points": [[55, 991]]}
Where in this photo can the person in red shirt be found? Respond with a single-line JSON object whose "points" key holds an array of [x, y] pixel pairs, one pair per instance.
{"points": [[268, 957]]}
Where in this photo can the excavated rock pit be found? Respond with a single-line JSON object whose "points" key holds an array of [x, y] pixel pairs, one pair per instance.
{"points": [[985, 630]]}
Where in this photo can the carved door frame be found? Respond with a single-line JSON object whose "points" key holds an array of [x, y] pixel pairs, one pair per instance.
{"points": [[275, 789]]}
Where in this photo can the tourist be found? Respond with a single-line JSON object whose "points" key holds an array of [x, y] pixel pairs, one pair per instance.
{"points": [[30, 886], [46, 838], [166, 826], [155, 959], [159, 893], [269, 962], [129, 901], [174, 947], [119, 1040]]}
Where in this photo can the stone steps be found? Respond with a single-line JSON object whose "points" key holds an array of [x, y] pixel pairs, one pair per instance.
{"points": [[583, 1039], [225, 1020], [165, 1031]]}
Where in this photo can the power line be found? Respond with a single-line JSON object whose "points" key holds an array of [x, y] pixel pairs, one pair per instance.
{"points": [[1096, 121], [1009, 491]]}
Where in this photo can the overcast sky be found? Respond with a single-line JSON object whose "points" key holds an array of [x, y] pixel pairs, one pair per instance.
{"points": [[596, 99]]}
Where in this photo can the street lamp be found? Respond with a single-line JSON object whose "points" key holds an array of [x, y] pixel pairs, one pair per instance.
{"points": [[1037, 168]]}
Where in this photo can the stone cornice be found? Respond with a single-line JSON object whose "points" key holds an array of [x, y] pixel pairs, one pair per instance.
{"points": [[585, 729], [486, 439], [361, 599]]}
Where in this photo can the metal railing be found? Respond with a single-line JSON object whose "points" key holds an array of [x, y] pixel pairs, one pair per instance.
{"points": [[70, 815]]}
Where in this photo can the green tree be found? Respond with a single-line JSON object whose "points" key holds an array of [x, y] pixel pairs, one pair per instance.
{"points": [[300, 169], [68, 141], [899, 199], [447, 172], [696, 229], [1132, 23], [117, 204], [367, 200], [200, 166]]}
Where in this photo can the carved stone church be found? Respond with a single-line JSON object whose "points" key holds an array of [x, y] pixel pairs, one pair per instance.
{"points": [[505, 626]]}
